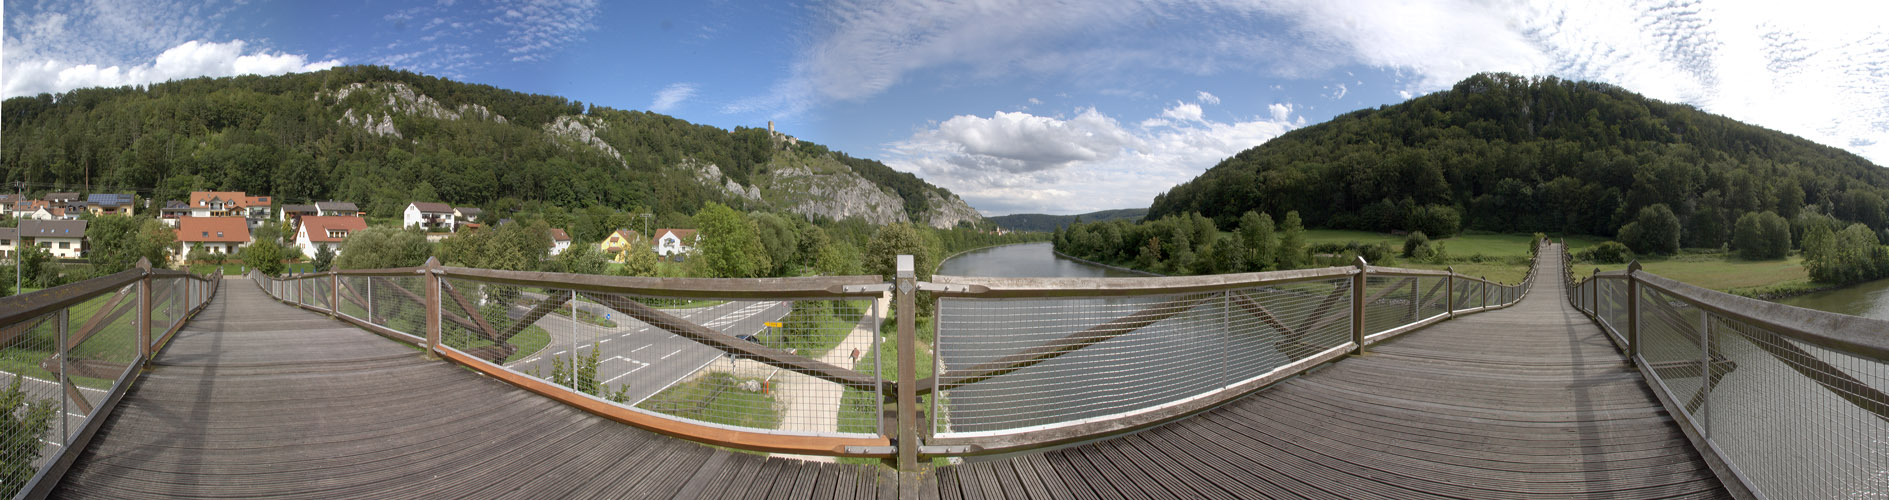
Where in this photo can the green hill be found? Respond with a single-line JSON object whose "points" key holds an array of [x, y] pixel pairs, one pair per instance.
{"points": [[1512, 154], [381, 138], [1047, 223]]}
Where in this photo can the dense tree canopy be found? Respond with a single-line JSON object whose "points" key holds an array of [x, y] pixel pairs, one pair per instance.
{"points": [[1513, 154]]}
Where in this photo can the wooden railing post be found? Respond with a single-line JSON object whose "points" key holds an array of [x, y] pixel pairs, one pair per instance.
{"points": [[432, 306], [1633, 312], [1357, 307], [144, 311], [334, 293], [1449, 291], [906, 287]]}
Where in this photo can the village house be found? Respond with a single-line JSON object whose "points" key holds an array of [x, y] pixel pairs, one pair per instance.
{"points": [[222, 235], [231, 204], [671, 242], [618, 242], [172, 211], [326, 231], [337, 209], [293, 214], [61, 198], [109, 204], [560, 241], [467, 214], [64, 238], [9, 238], [432, 217]]}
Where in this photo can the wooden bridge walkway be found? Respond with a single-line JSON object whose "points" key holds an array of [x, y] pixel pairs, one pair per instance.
{"points": [[258, 399]]}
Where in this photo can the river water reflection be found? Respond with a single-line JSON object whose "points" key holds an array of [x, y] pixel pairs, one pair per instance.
{"points": [[1029, 260]]}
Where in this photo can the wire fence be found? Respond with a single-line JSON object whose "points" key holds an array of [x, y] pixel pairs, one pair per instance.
{"points": [[1791, 418], [657, 355], [58, 368]]}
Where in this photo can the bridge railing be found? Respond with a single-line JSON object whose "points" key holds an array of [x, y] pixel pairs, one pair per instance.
{"points": [[68, 353], [802, 365], [1783, 401], [1032, 362], [777, 364]]}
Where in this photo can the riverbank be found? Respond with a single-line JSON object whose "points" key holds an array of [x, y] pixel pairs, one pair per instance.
{"points": [[1099, 264]]}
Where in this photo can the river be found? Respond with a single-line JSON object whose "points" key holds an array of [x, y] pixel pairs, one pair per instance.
{"points": [[1028, 260], [1869, 300]]}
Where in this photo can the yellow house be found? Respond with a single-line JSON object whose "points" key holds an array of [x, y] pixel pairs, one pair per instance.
{"points": [[618, 242]]}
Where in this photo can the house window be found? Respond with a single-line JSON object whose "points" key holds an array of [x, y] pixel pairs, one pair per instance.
{"points": [[337, 233], [206, 234], [65, 245]]}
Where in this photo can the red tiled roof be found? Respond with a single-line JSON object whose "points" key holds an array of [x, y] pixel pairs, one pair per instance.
{"points": [[212, 230], [318, 226], [559, 235]]}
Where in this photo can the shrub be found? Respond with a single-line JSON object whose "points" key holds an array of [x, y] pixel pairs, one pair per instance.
{"points": [[1612, 252], [1414, 243], [1374, 253]]}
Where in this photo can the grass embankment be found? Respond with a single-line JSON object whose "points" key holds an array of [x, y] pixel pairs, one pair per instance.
{"points": [[1504, 258], [718, 398], [116, 343], [1722, 272]]}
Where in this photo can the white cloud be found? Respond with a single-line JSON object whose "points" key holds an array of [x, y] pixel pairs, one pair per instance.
{"points": [[1185, 111], [1338, 92], [1206, 98], [1019, 162], [1279, 111], [1035, 102], [188, 60], [670, 96]]}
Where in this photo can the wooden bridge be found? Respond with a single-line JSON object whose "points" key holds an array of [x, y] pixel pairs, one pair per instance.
{"points": [[1528, 398]]}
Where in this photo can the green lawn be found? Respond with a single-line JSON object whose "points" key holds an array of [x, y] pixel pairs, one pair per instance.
{"points": [[117, 343], [1721, 272], [1501, 258], [816, 330], [717, 398], [238, 269]]}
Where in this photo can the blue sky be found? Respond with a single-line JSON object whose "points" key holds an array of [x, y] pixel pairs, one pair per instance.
{"points": [[1017, 106]]}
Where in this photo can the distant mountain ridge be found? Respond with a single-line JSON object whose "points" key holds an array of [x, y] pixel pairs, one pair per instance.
{"points": [[1047, 223], [382, 138], [1506, 153]]}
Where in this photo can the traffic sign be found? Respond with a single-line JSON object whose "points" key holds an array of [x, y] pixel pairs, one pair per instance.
{"points": [[773, 324]]}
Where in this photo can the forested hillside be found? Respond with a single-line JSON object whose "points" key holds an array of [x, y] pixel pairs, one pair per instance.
{"points": [[1047, 223], [382, 138], [1505, 153]]}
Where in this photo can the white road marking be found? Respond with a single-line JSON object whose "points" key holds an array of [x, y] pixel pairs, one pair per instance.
{"points": [[645, 346], [559, 353], [603, 341], [639, 365], [666, 356]]}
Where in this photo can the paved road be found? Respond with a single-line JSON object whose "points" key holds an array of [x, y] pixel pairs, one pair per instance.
{"points": [[38, 388], [641, 357]]}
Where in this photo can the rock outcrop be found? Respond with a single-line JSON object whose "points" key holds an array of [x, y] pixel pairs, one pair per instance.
{"points": [[835, 195], [947, 213], [583, 130], [389, 98]]}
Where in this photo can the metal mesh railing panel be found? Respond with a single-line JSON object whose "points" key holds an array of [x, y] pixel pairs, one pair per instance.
{"points": [[397, 303], [1797, 420], [324, 291], [46, 413], [1121, 355], [353, 297], [175, 301], [591, 343], [1397, 301], [1670, 341]]}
